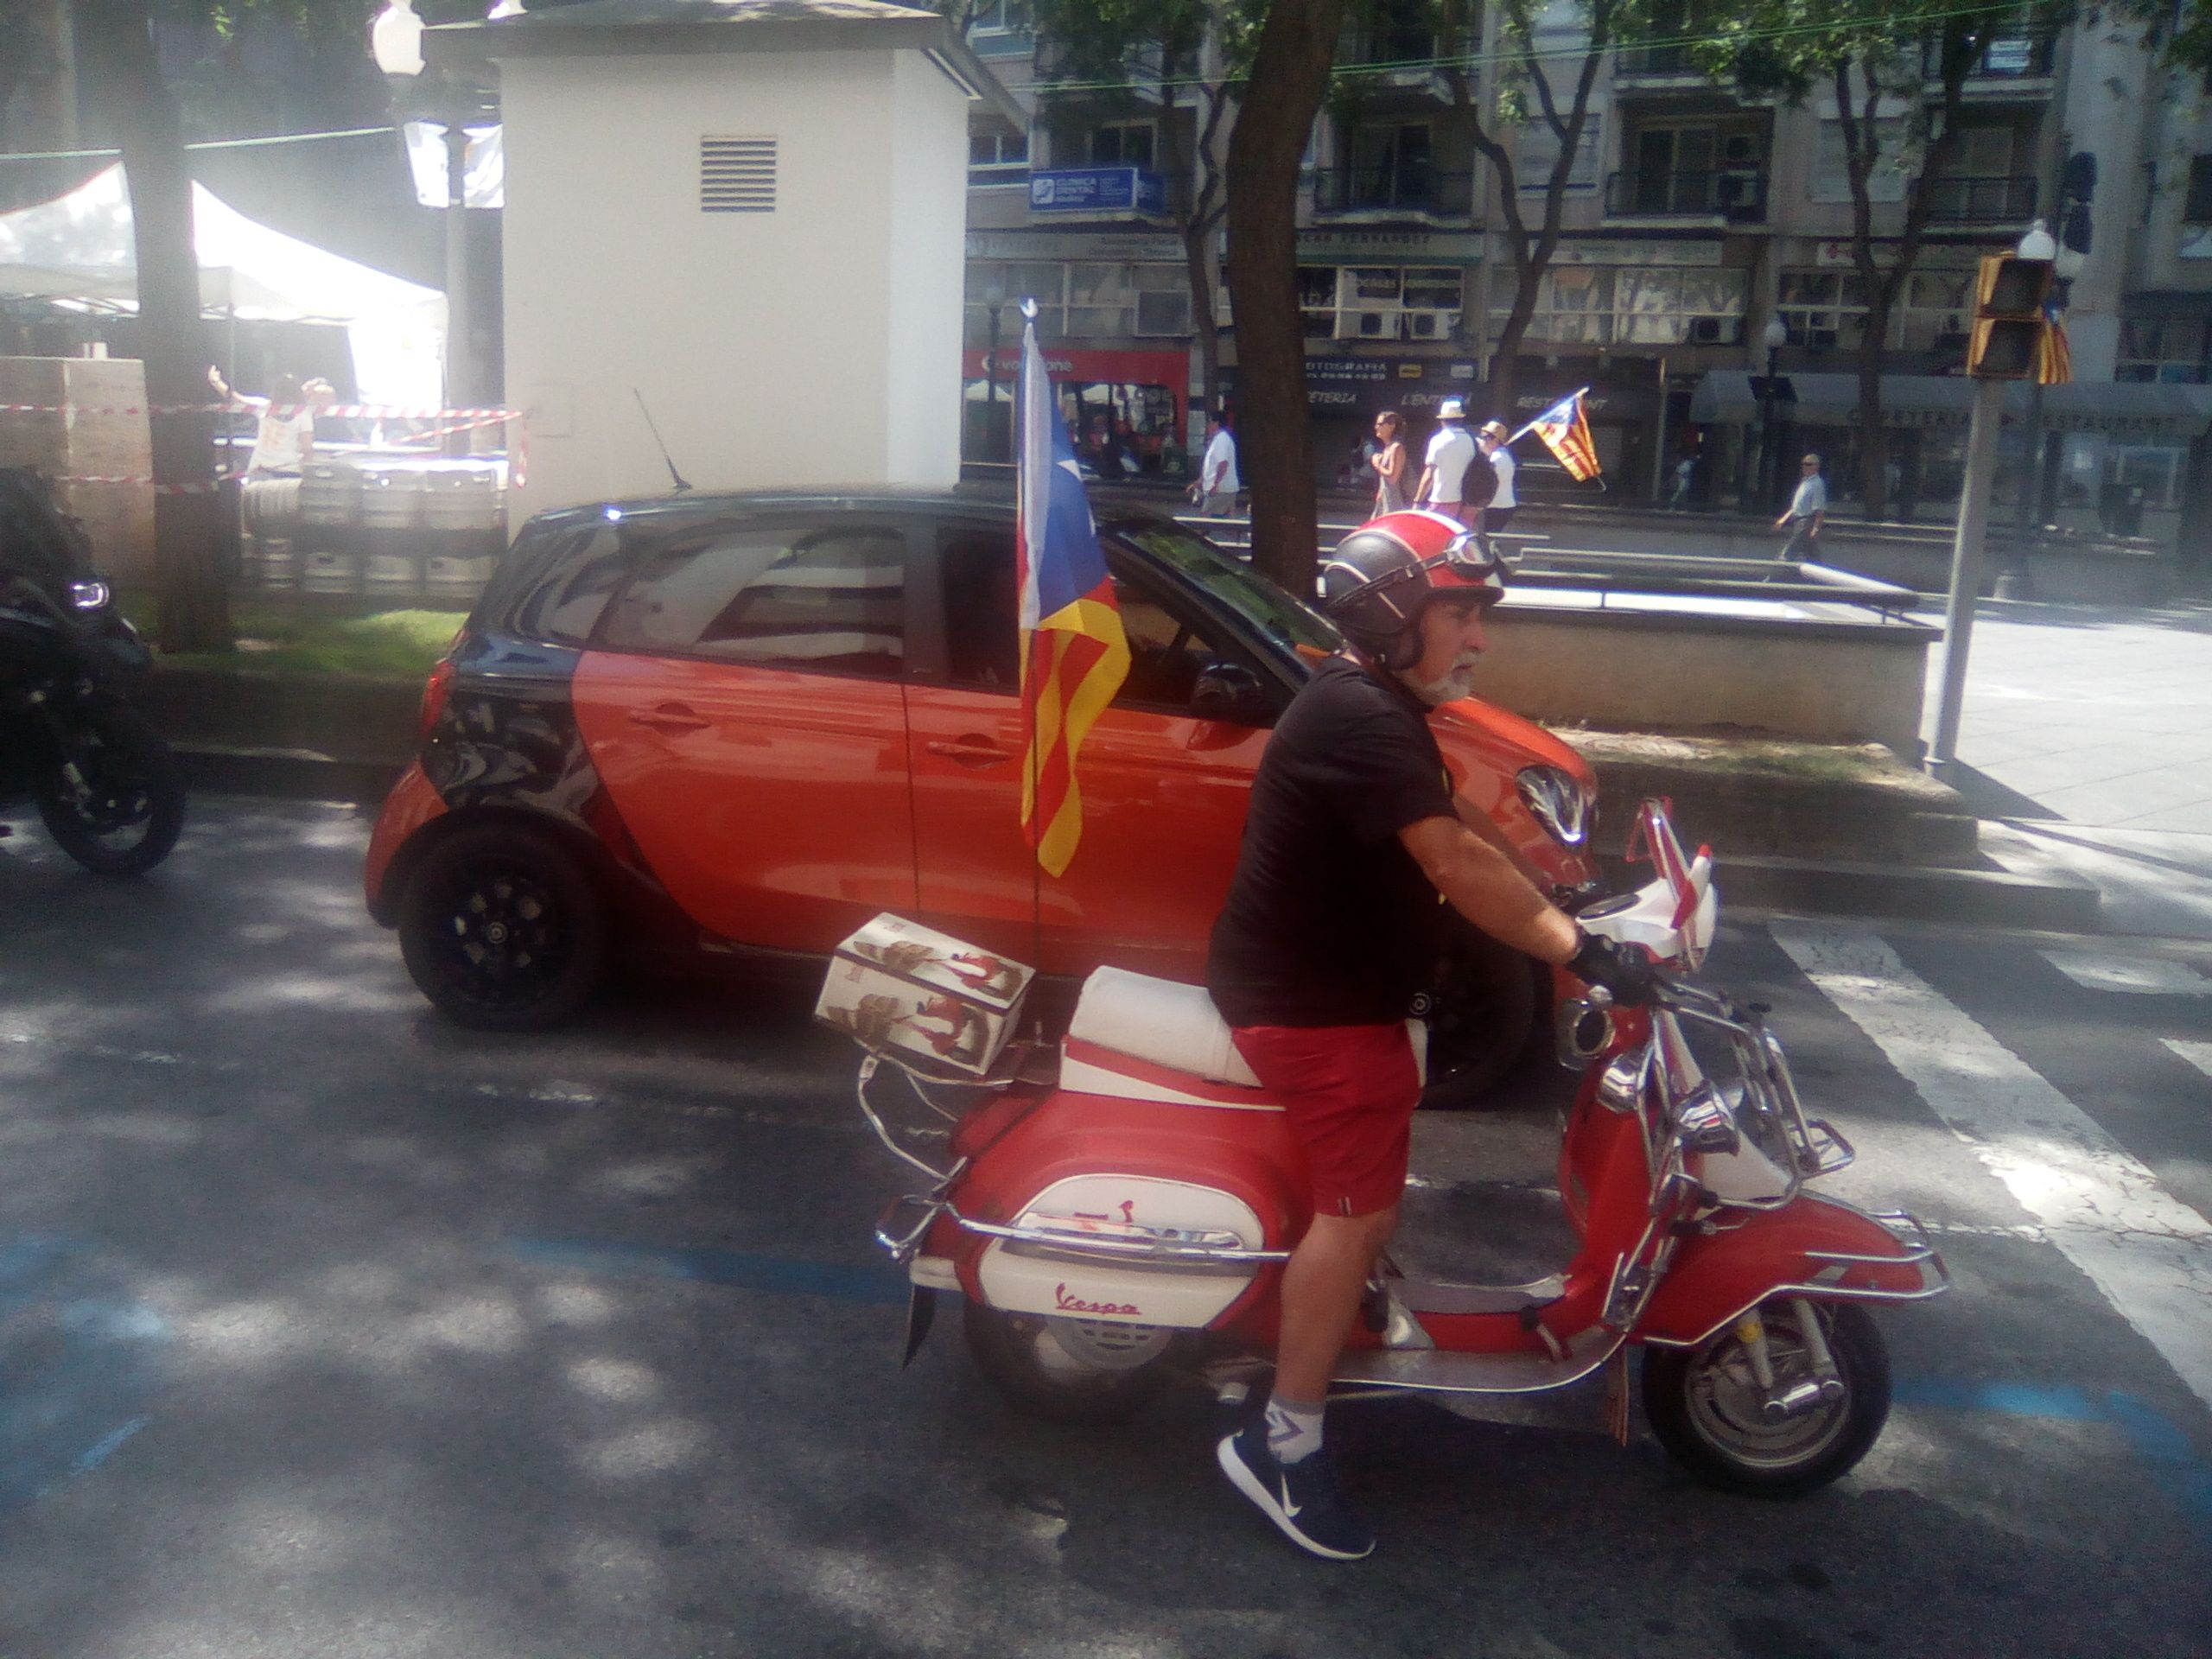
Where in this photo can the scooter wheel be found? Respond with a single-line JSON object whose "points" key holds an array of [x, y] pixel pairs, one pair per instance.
{"points": [[1705, 1406], [1069, 1370], [134, 811]]}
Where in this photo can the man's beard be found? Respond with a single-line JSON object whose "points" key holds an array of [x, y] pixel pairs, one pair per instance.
{"points": [[1458, 682]]}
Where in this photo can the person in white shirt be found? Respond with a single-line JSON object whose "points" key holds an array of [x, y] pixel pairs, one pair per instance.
{"points": [[1499, 513], [1808, 508], [1444, 469], [285, 436], [1217, 480]]}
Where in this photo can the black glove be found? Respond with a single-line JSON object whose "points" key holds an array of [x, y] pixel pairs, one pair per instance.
{"points": [[1624, 970]]}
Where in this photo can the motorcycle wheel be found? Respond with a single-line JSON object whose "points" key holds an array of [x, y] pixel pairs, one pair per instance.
{"points": [[502, 930], [1080, 1371], [1488, 1010], [1704, 1404], [134, 811]]}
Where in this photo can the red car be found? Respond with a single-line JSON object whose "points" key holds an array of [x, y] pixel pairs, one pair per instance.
{"points": [[744, 724]]}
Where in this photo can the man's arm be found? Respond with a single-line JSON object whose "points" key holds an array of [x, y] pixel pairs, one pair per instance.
{"points": [[1482, 884], [1428, 478]]}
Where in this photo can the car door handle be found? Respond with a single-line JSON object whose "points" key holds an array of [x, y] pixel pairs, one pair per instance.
{"points": [[969, 751], [670, 717]]}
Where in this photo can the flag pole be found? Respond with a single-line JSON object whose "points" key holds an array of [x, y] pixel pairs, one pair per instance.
{"points": [[1031, 830], [1577, 392]]}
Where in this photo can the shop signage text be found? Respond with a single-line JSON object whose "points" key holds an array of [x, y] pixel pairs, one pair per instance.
{"points": [[1835, 253], [1581, 252], [1350, 247], [1082, 189], [1139, 248]]}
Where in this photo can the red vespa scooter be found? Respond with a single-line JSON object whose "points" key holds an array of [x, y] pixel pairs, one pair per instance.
{"points": [[1127, 1219]]}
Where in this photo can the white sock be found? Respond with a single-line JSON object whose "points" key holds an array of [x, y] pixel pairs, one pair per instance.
{"points": [[1293, 1431]]}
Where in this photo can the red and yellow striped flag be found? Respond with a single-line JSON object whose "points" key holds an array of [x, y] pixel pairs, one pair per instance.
{"points": [[1565, 428]]}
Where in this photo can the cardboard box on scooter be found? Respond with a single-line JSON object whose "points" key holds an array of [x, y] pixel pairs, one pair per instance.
{"points": [[912, 993]]}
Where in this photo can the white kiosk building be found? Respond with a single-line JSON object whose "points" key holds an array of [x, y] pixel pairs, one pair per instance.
{"points": [[743, 217]]}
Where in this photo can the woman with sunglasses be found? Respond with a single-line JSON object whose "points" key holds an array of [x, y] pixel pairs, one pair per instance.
{"points": [[1388, 461]]}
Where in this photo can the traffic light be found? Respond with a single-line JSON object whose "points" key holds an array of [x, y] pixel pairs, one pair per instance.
{"points": [[2009, 318]]}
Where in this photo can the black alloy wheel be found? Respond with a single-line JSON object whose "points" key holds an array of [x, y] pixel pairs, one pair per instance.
{"points": [[127, 817], [503, 930], [1488, 1009]]}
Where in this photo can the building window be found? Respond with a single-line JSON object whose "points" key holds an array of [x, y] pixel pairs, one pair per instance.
{"points": [[1387, 165], [1631, 305], [1832, 176], [1825, 310], [1121, 143], [998, 16], [1380, 301], [1537, 152], [2197, 210], [1080, 300], [2172, 350], [998, 157]]}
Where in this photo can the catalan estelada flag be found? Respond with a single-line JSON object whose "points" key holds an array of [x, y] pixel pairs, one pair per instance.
{"points": [[1074, 655], [2053, 355], [1564, 429]]}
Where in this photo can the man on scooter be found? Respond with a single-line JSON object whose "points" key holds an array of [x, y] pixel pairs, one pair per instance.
{"points": [[1351, 848]]}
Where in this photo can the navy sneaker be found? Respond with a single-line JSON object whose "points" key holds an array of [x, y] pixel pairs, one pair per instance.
{"points": [[1301, 1497]]}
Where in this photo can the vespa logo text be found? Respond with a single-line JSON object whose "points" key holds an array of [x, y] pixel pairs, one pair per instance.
{"points": [[1068, 1304]]}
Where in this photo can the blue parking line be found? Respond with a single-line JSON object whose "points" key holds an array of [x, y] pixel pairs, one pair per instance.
{"points": [[870, 1285], [2156, 1442]]}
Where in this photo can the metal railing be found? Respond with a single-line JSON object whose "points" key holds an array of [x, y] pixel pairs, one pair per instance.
{"points": [[1656, 63], [1980, 199], [1407, 44], [1392, 189], [1734, 193]]}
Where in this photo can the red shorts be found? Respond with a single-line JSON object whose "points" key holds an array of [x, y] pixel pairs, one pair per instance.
{"points": [[1351, 1091]]}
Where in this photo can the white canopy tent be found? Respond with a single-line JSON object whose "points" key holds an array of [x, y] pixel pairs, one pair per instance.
{"points": [[79, 248]]}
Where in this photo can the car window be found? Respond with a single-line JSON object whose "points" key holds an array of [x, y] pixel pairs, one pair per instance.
{"points": [[563, 606], [1291, 623], [980, 647], [982, 650], [827, 598]]}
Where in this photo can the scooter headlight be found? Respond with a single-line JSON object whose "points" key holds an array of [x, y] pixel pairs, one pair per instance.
{"points": [[88, 595], [1556, 797]]}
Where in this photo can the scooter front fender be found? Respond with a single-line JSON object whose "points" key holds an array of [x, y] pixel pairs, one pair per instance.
{"points": [[1812, 1247]]}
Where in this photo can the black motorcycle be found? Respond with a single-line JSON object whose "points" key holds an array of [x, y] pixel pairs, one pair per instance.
{"points": [[105, 784]]}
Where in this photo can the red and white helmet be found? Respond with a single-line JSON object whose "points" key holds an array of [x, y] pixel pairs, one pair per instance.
{"points": [[1384, 575]]}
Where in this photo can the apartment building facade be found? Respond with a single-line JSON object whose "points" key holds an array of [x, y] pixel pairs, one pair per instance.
{"points": [[1693, 221]]}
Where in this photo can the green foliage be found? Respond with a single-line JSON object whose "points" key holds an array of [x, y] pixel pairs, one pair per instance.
{"points": [[1098, 37]]}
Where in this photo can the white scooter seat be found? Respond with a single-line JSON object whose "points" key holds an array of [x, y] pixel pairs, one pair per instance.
{"points": [[1173, 1025], [1161, 1021]]}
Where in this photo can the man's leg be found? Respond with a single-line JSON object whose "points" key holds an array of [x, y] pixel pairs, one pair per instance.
{"points": [[1321, 1286]]}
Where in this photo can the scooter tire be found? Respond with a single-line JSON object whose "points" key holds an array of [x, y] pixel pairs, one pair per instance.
{"points": [[1009, 1350], [135, 758], [1707, 1420]]}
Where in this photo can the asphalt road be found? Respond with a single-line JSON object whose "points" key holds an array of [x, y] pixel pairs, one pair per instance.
{"points": [[327, 1329]]}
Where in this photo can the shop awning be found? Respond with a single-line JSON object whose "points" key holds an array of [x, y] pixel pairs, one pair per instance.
{"points": [[2120, 409]]}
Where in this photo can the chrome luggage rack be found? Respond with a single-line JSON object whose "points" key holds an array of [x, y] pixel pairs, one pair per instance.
{"points": [[1771, 1111]]}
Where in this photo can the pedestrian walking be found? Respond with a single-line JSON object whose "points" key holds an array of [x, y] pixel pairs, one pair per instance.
{"points": [[1498, 512], [1388, 461], [1217, 479], [1451, 453], [1685, 470], [1807, 509]]}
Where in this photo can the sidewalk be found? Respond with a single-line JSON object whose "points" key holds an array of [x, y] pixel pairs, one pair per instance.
{"points": [[2087, 731]]}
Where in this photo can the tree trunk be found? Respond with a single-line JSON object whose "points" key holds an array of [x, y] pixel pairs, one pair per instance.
{"points": [[138, 113], [1199, 266], [1505, 359], [1275, 441]]}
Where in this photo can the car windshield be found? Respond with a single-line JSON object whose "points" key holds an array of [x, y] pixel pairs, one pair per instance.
{"points": [[1299, 629]]}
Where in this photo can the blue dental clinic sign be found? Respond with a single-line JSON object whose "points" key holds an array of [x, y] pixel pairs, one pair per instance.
{"points": [[1094, 189]]}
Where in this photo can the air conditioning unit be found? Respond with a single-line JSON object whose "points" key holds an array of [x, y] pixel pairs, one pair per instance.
{"points": [[1163, 312], [1368, 324], [1705, 331], [1821, 340], [1427, 325]]}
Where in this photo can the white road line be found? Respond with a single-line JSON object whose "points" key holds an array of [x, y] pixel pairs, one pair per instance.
{"points": [[2149, 1254], [2130, 976], [2197, 1054]]}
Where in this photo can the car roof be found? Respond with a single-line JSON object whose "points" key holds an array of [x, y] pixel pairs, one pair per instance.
{"points": [[992, 495]]}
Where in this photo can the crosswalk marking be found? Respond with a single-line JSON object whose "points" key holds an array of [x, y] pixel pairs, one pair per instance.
{"points": [[2150, 1254], [2197, 1054], [2130, 976]]}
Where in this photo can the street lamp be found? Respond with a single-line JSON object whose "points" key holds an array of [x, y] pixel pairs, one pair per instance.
{"points": [[396, 43], [1774, 337], [994, 298]]}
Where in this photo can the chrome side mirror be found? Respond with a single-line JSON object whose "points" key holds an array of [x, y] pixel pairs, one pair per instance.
{"points": [[1621, 1084]]}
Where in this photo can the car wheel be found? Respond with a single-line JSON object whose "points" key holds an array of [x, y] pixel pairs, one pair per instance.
{"points": [[1486, 1012], [503, 930]]}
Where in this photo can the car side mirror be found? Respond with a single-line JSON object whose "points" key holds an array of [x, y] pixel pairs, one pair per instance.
{"points": [[1232, 692]]}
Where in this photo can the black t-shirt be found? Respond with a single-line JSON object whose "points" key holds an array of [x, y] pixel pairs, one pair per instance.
{"points": [[1330, 921]]}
